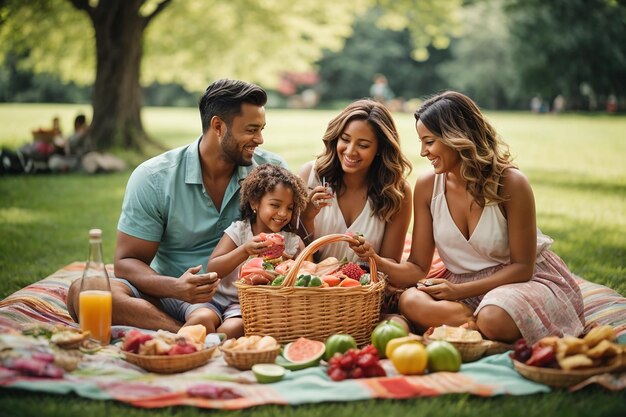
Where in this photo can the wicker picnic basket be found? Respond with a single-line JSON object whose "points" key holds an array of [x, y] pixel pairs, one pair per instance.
{"points": [[169, 364], [286, 312], [244, 359], [560, 378]]}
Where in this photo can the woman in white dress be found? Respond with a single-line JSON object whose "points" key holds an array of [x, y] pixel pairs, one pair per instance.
{"points": [[358, 184], [477, 209]]}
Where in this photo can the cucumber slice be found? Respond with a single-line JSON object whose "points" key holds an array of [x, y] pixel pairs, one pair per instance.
{"points": [[268, 372]]}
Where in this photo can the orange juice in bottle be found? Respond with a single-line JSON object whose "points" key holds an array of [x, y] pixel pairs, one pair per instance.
{"points": [[95, 314], [95, 300]]}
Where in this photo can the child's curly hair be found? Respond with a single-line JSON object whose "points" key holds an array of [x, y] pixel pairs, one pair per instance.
{"points": [[264, 179]]}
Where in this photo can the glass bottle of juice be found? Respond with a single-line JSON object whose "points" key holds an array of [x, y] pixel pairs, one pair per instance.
{"points": [[95, 300]]}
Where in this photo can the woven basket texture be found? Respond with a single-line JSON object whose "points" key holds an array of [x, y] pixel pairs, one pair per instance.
{"points": [[244, 359], [166, 364], [286, 312], [559, 378]]}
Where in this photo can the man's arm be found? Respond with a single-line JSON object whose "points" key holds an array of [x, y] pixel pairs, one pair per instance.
{"points": [[132, 262]]}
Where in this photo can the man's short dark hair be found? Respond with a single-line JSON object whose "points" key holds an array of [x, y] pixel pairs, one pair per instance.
{"points": [[223, 98]]}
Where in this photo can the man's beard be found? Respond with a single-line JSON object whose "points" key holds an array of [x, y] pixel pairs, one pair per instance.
{"points": [[229, 147]]}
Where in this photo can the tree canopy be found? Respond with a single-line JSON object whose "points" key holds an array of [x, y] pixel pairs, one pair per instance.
{"points": [[194, 41], [117, 43]]}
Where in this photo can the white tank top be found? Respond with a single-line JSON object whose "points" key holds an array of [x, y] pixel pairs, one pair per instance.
{"points": [[488, 245], [330, 220]]}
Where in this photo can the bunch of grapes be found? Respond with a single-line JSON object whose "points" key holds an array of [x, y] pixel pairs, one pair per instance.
{"points": [[355, 363]]}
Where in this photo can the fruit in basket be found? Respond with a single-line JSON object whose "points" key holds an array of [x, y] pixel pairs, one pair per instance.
{"points": [[276, 245], [542, 356], [352, 270], [338, 343], [315, 281], [349, 282], [257, 272], [410, 359], [521, 351], [278, 280], [133, 339], [303, 280], [195, 333], [365, 279], [182, 348], [595, 350], [443, 357], [266, 373], [304, 351], [331, 280], [384, 332], [254, 342]]}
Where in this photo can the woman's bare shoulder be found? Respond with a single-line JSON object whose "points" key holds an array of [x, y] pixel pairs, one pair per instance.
{"points": [[305, 170]]}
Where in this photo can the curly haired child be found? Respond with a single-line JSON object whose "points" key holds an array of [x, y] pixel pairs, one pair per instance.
{"points": [[271, 197]]}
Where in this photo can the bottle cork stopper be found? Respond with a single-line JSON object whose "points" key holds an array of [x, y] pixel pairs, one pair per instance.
{"points": [[95, 233]]}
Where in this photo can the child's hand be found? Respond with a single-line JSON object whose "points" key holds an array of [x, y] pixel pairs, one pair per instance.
{"points": [[256, 246]]}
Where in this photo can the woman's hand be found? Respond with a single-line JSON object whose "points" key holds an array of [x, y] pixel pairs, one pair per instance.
{"points": [[361, 247], [319, 197], [440, 289]]}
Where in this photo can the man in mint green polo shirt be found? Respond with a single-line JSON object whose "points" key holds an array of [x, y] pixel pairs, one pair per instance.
{"points": [[176, 208]]}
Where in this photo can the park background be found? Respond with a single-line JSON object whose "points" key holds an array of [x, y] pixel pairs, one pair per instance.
{"points": [[137, 69]]}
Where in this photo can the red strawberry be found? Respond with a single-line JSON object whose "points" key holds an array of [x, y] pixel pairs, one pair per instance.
{"points": [[276, 247], [352, 270]]}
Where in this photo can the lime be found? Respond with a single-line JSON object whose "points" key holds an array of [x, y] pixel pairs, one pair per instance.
{"points": [[268, 372]]}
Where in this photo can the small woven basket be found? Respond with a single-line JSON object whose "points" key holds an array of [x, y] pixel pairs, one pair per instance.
{"points": [[470, 351], [244, 359], [560, 378], [170, 364], [286, 312]]}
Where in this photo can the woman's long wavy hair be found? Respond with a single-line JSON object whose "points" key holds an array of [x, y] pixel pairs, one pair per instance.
{"points": [[390, 167], [458, 122]]}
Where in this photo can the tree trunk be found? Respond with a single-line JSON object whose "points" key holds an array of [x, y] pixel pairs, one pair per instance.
{"points": [[117, 97]]}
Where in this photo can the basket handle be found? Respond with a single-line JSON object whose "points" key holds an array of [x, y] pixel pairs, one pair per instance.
{"points": [[290, 278]]}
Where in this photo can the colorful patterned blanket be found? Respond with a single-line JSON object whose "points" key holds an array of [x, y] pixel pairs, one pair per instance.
{"points": [[106, 375]]}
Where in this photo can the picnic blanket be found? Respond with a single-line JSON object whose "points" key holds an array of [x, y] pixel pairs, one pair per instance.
{"points": [[107, 376]]}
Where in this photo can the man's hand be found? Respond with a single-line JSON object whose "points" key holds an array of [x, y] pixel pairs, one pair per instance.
{"points": [[196, 288]]}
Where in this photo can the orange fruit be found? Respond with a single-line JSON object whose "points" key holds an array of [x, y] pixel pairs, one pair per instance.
{"points": [[349, 282]]}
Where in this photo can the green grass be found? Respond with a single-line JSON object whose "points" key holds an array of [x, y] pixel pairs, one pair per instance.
{"points": [[576, 164]]}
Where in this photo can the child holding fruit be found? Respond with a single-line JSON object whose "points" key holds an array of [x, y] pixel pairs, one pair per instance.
{"points": [[477, 209], [358, 183], [270, 196]]}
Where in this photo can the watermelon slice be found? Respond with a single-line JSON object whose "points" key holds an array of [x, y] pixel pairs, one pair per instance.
{"points": [[304, 352]]}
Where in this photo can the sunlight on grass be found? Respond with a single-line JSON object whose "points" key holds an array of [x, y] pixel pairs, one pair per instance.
{"points": [[16, 215], [574, 162]]}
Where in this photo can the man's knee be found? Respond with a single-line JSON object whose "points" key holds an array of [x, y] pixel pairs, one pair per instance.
{"points": [[72, 299], [119, 291]]}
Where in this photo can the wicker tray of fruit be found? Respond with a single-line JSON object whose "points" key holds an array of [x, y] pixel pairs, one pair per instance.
{"points": [[565, 361], [165, 353]]}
